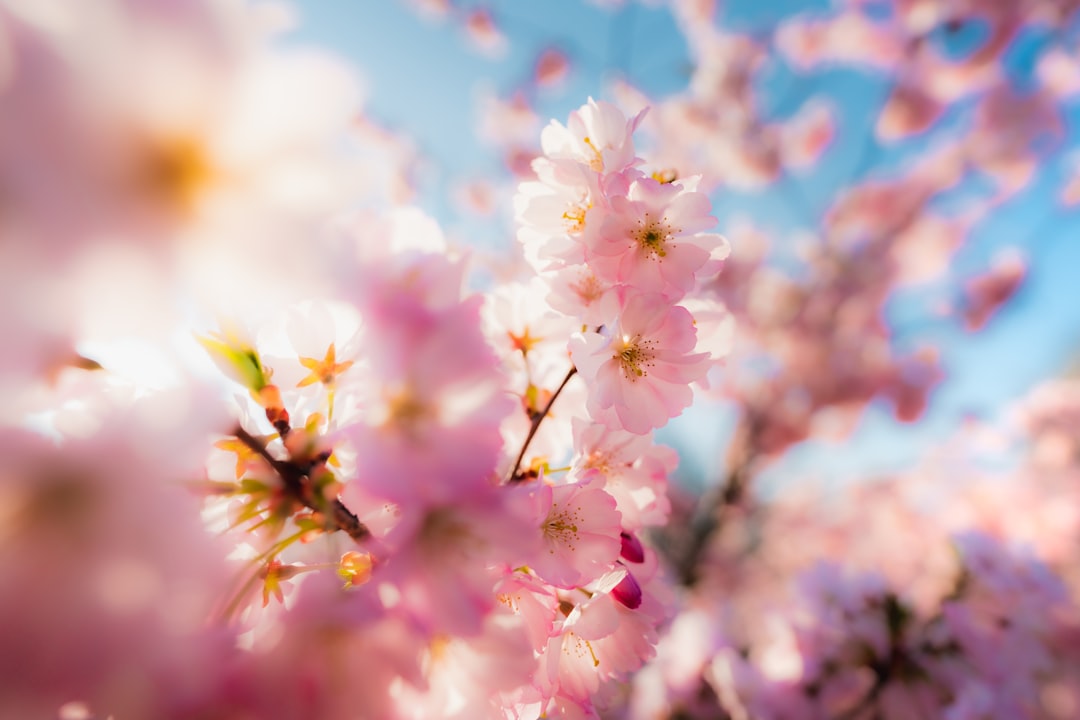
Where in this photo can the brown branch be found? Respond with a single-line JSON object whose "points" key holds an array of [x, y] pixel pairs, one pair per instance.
{"points": [[516, 476], [730, 493], [706, 521], [295, 478]]}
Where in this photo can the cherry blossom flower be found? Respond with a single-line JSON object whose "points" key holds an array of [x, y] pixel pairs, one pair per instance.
{"points": [[597, 135], [442, 560], [435, 400], [580, 529], [167, 125], [484, 33], [807, 135], [651, 240], [846, 37], [552, 67], [986, 293], [910, 110], [471, 677], [429, 434], [634, 469], [578, 292], [526, 596], [388, 561], [554, 210], [639, 371], [1058, 71], [112, 572]]}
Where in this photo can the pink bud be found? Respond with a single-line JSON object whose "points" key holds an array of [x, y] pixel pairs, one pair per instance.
{"points": [[631, 548], [628, 592]]}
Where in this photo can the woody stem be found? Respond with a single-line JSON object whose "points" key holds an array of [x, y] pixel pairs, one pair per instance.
{"points": [[515, 475], [293, 476]]}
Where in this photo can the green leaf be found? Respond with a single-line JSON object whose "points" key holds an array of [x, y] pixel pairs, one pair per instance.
{"points": [[238, 360]]}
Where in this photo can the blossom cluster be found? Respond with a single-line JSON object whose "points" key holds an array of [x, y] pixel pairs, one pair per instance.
{"points": [[620, 250], [420, 494], [410, 513], [496, 512], [858, 647]]}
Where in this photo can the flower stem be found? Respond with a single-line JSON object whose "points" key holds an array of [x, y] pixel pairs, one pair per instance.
{"points": [[293, 476], [515, 475]]}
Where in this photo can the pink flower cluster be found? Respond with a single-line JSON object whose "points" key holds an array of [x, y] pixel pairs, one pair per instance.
{"points": [[495, 559], [422, 518], [855, 647], [425, 501], [620, 250]]}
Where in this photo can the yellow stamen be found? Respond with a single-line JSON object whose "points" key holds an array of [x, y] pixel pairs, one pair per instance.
{"points": [[178, 171], [635, 354], [596, 162], [652, 237]]}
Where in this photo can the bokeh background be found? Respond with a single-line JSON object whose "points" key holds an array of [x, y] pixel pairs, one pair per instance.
{"points": [[463, 88]]}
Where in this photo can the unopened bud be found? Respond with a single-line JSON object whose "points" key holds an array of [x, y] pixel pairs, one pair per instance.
{"points": [[632, 549], [628, 592]]}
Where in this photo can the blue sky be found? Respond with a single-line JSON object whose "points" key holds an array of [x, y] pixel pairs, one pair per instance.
{"points": [[423, 78]]}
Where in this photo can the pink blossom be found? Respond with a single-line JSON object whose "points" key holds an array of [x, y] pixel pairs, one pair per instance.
{"points": [[635, 471], [579, 528], [435, 396], [639, 371], [807, 135], [484, 33], [577, 291], [631, 549], [571, 659], [1059, 72], [924, 249], [528, 597], [628, 591], [524, 330], [716, 330], [1007, 605], [675, 677], [443, 561], [552, 67], [651, 239], [172, 130], [531, 339], [602, 638], [109, 572], [479, 197], [847, 37], [557, 205], [510, 124], [1009, 125], [473, 677], [597, 135], [986, 293], [910, 110], [298, 672]]}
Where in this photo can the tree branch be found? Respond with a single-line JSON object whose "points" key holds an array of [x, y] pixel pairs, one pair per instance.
{"points": [[295, 478], [516, 476], [706, 519]]}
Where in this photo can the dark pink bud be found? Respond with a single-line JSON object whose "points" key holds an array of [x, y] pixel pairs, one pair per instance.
{"points": [[628, 592], [631, 548]]}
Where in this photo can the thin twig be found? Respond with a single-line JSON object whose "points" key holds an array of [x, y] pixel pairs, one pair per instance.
{"points": [[515, 476], [289, 472], [293, 476], [706, 521]]}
